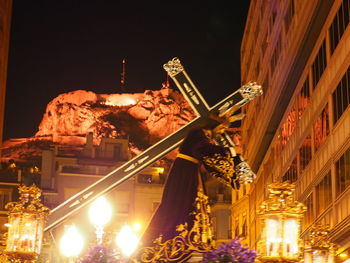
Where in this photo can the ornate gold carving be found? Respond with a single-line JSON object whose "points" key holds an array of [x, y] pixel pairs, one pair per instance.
{"points": [[221, 166], [179, 248], [244, 173], [281, 199], [26, 219], [173, 67], [250, 90], [29, 201], [319, 238], [280, 207]]}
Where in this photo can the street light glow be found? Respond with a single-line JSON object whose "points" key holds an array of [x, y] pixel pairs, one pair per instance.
{"points": [[127, 240], [137, 227], [100, 212], [72, 242]]}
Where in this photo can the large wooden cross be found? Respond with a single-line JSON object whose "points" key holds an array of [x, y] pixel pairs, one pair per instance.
{"points": [[160, 149]]}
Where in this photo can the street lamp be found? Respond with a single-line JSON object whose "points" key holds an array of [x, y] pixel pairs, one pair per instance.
{"points": [[26, 224], [127, 240], [281, 217], [71, 243], [319, 249], [100, 213]]}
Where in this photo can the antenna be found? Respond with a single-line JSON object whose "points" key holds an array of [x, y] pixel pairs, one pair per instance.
{"points": [[123, 76]]}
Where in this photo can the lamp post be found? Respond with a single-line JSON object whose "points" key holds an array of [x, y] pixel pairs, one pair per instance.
{"points": [[319, 249], [281, 218], [71, 243], [100, 213], [26, 224]]}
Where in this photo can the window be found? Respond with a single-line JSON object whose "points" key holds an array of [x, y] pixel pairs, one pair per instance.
{"points": [[303, 98], [116, 152], [309, 214], [244, 227], [324, 193], [266, 84], [276, 54], [257, 28], [292, 173], [249, 61], [123, 208], [229, 234], [288, 126], [339, 24], [341, 96], [321, 128], [273, 15], [289, 16], [144, 179], [319, 64], [236, 228], [265, 41], [305, 153], [257, 69], [342, 172], [5, 197]]}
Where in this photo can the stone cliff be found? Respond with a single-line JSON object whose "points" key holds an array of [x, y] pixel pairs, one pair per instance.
{"points": [[143, 118]]}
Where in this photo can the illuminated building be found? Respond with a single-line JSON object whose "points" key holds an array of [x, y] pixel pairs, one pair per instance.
{"points": [[65, 173], [299, 130], [5, 22]]}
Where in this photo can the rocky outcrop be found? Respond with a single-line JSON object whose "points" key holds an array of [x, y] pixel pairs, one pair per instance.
{"points": [[144, 118]]}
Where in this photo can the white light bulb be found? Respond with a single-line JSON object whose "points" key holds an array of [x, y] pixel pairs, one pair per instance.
{"points": [[127, 240], [72, 242], [100, 212]]}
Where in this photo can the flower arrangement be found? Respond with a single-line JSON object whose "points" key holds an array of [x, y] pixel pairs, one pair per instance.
{"points": [[100, 254], [230, 252]]}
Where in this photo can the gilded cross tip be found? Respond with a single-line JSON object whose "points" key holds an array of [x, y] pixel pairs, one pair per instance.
{"points": [[173, 67]]}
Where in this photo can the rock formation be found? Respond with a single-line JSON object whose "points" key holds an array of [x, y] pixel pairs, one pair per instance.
{"points": [[143, 118]]}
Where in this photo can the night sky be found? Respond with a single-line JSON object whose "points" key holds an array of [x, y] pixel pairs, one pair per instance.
{"points": [[57, 46]]}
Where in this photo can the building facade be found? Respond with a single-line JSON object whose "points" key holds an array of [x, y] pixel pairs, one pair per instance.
{"points": [[5, 24], [64, 174], [299, 130]]}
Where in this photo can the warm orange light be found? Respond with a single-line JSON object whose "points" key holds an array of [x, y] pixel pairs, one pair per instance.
{"points": [[25, 224], [120, 100], [343, 255], [137, 227]]}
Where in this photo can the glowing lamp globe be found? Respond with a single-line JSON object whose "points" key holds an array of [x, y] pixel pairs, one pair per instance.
{"points": [[26, 218], [127, 240], [281, 219], [100, 212], [72, 242]]}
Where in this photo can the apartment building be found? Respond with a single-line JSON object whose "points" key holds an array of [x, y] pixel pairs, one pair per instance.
{"points": [[5, 25], [299, 130]]}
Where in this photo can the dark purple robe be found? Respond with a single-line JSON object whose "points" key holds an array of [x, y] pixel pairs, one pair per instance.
{"points": [[181, 187]]}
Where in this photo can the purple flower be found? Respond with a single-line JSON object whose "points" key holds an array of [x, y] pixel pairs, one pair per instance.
{"points": [[230, 252], [100, 254]]}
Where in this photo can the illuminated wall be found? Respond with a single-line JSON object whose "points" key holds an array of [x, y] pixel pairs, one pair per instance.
{"points": [[299, 130], [5, 21]]}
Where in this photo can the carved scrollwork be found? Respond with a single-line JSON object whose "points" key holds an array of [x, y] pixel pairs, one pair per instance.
{"points": [[281, 199], [250, 90], [179, 248], [244, 173], [173, 67]]}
